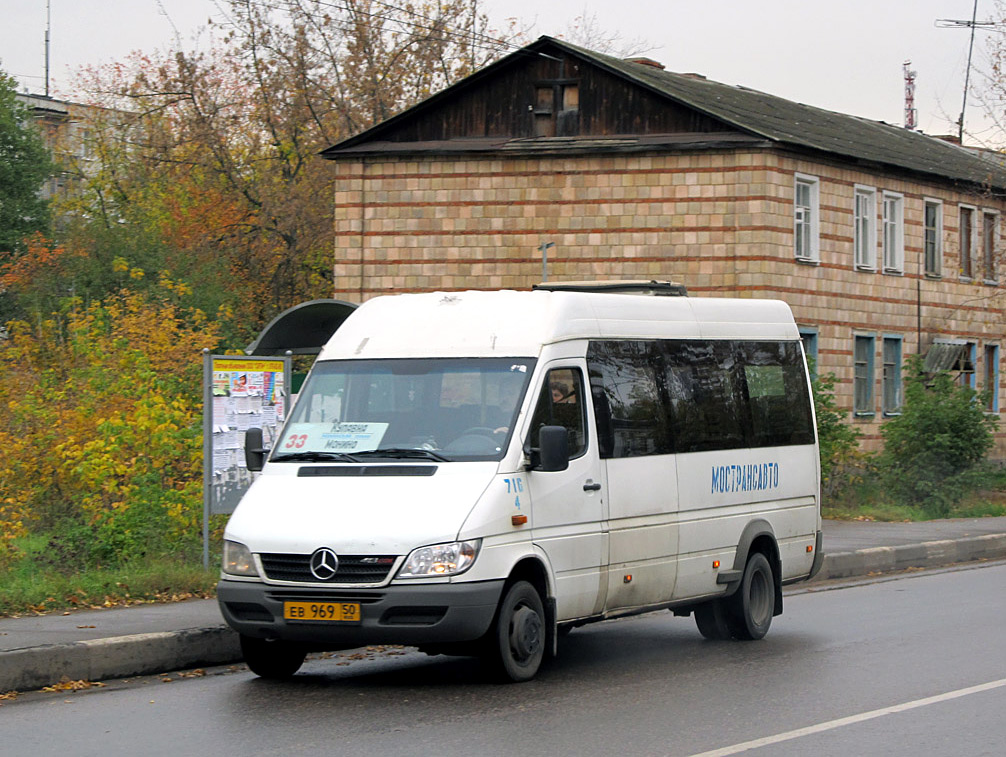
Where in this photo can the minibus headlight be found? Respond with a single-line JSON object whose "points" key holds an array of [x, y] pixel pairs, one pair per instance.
{"points": [[238, 560], [441, 559]]}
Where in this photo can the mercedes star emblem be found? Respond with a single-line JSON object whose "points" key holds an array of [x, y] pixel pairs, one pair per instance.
{"points": [[324, 564]]}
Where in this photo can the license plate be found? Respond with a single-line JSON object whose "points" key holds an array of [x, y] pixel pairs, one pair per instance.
{"points": [[335, 612]]}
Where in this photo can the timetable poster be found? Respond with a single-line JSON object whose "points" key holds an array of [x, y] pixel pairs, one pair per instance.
{"points": [[243, 393]]}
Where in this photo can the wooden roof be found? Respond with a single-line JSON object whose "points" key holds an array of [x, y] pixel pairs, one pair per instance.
{"points": [[737, 115]]}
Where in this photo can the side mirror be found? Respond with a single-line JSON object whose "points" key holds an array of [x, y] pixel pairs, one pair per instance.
{"points": [[553, 450], [254, 453]]}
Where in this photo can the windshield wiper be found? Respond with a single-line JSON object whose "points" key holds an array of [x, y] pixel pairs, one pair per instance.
{"points": [[315, 457], [404, 452]]}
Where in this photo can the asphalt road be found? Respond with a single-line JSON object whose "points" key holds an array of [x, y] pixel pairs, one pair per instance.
{"points": [[906, 665]]}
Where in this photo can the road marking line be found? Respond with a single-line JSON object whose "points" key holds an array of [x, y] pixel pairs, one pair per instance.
{"points": [[851, 720]]}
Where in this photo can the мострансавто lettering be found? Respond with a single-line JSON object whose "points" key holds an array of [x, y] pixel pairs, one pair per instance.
{"points": [[745, 478]]}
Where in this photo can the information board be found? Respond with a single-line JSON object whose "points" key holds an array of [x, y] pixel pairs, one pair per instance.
{"points": [[239, 393]]}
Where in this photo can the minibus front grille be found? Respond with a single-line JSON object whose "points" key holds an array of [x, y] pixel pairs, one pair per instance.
{"points": [[353, 569], [293, 595]]}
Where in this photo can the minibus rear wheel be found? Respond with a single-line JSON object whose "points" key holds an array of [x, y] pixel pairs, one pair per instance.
{"points": [[753, 604], [272, 659], [712, 621], [517, 639]]}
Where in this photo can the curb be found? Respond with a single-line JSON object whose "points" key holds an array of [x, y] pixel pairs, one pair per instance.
{"points": [[930, 554], [117, 657], [148, 653]]}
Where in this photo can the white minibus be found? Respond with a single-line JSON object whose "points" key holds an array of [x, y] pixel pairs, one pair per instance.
{"points": [[480, 472]]}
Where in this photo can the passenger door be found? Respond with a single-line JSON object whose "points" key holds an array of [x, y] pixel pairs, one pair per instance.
{"points": [[640, 472], [568, 506]]}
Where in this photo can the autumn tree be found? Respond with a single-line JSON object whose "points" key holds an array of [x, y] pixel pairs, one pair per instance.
{"points": [[100, 419], [216, 153]]}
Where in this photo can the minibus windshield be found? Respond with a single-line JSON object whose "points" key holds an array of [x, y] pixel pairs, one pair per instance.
{"points": [[436, 409]]}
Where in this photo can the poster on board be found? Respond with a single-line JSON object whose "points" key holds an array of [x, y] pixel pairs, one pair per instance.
{"points": [[239, 393]]}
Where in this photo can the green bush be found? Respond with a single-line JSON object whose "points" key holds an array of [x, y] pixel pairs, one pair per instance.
{"points": [[842, 462], [935, 451]]}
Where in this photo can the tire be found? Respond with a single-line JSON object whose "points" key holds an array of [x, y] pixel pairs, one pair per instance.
{"points": [[517, 639], [272, 659], [711, 618], [750, 609]]}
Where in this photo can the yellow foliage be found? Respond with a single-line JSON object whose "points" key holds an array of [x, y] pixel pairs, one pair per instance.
{"points": [[100, 416]]}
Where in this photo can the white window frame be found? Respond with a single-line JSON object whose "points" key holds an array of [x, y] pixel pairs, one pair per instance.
{"points": [[937, 269], [864, 231], [967, 272], [994, 279], [807, 220], [894, 232]]}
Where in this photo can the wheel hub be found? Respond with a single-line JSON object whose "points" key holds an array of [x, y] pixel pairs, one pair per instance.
{"points": [[525, 633]]}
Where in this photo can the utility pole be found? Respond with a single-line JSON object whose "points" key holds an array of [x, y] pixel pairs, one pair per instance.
{"points": [[544, 259]]}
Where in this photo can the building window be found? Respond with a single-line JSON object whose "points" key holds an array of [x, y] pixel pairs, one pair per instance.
{"points": [[991, 384], [967, 375], [865, 228], [806, 219], [862, 384], [809, 338], [544, 123], [557, 109], [933, 237], [990, 241], [966, 224], [894, 233], [892, 375]]}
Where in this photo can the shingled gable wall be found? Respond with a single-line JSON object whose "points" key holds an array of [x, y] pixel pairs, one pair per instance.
{"points": [[718, 220]]}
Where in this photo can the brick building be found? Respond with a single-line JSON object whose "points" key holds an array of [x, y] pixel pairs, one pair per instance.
{"points": [[885, 242], [64, 128]]}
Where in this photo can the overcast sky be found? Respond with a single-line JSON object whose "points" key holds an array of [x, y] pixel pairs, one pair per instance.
{"points": [[844, 55]]}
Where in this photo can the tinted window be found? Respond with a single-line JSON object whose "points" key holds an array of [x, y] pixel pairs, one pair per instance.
{"points": [[656, 397], [628, 398], [777, 393], [705, 401]]}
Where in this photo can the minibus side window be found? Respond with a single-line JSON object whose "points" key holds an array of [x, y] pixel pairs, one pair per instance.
{"points": [[777, 393], [707, 410], [629, 400], [561, 404]]}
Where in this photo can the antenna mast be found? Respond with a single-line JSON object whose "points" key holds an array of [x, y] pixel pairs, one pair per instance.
{"points": [[911, 114], [48, 24]]}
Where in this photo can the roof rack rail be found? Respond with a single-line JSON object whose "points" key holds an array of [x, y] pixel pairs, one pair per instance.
{"points": [[650, 287]]}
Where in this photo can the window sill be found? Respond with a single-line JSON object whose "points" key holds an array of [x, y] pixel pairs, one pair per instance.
{"points": [[990, 282], [807, 261], [892, 413], [866, 268], [933, 276], [893, 272], [864, 414]]}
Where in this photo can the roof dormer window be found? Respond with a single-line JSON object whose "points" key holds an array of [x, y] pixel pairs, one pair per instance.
{"points": [[557, 108]]}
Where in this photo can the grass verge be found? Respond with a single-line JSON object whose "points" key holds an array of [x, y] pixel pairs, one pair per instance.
{"points": [[27, 588], [980, 505]]}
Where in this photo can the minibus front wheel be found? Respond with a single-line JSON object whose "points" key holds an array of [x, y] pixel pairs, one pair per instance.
{"points": [[272, 659], [517, 638]]}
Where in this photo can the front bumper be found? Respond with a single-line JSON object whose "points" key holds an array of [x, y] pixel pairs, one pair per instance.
{"points": [[411, 615]]}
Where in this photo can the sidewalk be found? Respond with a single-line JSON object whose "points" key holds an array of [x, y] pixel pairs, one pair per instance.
{"points": [[98, 644]]}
